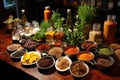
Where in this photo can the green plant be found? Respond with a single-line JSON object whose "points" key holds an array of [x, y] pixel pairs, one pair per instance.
{"points": [[86, 13], [74, 37], [56, 19], [41, 33]]}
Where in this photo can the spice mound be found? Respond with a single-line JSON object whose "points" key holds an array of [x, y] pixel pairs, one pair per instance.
{"points": [[43, 47], [14, 47], [88, 45], [79, 69], [106, 51], [71, 50], [85, 56], [45, 62], [63, 63], [56, 51]]}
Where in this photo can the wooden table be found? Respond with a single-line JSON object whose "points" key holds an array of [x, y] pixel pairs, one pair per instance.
{"points": [[95, 74]]}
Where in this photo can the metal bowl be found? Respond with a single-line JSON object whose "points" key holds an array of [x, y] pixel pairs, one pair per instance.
{"points": [[103, 61], [79, 69], [45, 63]]}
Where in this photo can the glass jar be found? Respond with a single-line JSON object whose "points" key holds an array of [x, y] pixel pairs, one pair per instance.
{"points": [[59, 34], [109, 29], [95, 34]]}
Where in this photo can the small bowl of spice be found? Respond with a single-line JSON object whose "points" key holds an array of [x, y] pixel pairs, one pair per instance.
{"points": [[45, 63], [85, 56], [105, 51], [79, 69], [56, 51], [103, 61], [89, 45], [63, 63], [18, 54], [43, 47], [71, 50]]}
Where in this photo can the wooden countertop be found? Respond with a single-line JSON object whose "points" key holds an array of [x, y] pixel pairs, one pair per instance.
{"points": [[95, 74]]}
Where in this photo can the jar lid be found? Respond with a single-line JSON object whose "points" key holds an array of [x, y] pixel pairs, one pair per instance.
{"points": [[47, 7], [111, 17], [96, 26]]}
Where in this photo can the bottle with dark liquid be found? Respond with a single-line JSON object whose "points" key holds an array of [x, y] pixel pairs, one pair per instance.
{"points": [[23, 16], [69, 22]]}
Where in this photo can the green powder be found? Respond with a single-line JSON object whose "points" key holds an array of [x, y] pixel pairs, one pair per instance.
{"points": [[105, 51]]}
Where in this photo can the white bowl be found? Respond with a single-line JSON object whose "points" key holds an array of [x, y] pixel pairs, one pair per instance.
{"points": [[30, 58], [63, 62]]}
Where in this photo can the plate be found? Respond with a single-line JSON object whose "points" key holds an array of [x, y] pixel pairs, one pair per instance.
{"points": [[30, 58]]}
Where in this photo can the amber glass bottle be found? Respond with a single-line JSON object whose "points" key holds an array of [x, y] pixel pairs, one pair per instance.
{"points": [[109, 29], [23, 16], [47, 13]]}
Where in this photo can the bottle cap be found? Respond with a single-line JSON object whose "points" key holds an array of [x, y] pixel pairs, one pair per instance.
{"points": [[111, 17], [47, 7], [96, 26], [68, 10], [23, 10]]}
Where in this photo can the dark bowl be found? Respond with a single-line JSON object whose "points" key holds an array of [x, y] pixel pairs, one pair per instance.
{"points": [[45, 63], [103, 61], [89, 45], [18, 54]]}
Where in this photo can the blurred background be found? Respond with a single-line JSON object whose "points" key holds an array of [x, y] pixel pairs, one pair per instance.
{"points": [[34, 9]]}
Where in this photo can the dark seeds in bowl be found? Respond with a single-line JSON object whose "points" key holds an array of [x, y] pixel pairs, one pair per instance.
{"points": [[45, 62], [18, 54]]}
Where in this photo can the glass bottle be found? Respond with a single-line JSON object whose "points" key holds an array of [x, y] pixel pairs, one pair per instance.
{"points": [[69, 22], [23, 16], [47, 13], [110, 4], [95, 34], [109, 29]]}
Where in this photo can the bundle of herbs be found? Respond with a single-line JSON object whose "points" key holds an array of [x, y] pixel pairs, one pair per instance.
{"points": [[57, 20]]}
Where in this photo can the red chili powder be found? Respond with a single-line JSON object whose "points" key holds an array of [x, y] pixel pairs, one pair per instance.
{"points": [[72, 50]]}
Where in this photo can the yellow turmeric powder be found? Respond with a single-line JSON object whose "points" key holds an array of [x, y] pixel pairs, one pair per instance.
{"points": [[86, 56]]}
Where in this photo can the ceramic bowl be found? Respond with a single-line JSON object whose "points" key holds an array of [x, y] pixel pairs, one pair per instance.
{"points": [[79, 69], [89, 45], [85, 56], [103, 61], [45, 63], [30, 58], [63, 63], [18, 54]]}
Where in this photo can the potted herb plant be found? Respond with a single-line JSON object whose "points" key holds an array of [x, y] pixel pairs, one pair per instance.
{"points": [[86, 15]]}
